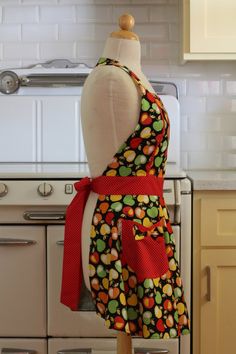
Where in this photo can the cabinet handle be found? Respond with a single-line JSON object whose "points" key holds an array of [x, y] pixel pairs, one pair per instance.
{"points": [[208, 271], [60, 243], [18, 351], [73, 351], [150, 351], [30, 215], [167, 190], [15, 242]]}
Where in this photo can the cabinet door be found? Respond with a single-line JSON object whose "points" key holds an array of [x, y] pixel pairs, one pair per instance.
{"points": [[218, 294], [212, 26], [23, 281], [218, 220]]}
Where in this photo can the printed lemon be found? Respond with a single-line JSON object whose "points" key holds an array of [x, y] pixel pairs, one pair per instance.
{"points": [[146, 332], [91, 270], [129, 155], [92, 232], [167, 289], [158, 312], [145, 133], [180, 308], [147, 222], [105, 283], [115, 198], [122, 299], [172, 264]]}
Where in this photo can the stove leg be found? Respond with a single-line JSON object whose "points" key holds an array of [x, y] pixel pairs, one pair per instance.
{"points": [[124, 343]]}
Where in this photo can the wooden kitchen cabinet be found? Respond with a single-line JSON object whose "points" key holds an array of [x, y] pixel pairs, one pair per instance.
{"points": [[209, 29], [214, 272]]}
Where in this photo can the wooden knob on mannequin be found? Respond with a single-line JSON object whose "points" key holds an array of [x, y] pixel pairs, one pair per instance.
{"points": [[126, 23]]}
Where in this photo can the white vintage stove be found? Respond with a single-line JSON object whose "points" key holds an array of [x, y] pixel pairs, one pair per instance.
{"points": [[33, 198]]}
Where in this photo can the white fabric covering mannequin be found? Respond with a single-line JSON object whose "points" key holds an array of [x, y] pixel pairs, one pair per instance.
{"points": [[110, 108]]}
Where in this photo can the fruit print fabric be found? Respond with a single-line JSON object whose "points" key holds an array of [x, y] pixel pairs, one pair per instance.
{"points": [[150, 307]]}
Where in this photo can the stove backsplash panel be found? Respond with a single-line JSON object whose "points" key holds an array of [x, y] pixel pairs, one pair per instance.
{"points": [[41, 129]]}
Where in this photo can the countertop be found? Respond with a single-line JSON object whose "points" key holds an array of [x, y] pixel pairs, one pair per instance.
{"points": [[212, 179], [61, 171], [43, 170]]}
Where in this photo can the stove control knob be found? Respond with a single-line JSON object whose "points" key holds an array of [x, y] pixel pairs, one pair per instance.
{"points": [[3, 189], [45, 189]]}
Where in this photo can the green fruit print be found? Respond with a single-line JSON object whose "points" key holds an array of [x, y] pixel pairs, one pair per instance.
{"points": [[164, 145], [145, 105], [158, 125], [176, 316], [118, 266], [147, 315], [101, 245], [102, 60], [173, 333], [152, 212], [122, 286], [117, 206], [155, 107], [112, 306], [140, 160], [158, 298], [148, 284], [140, 292], [101, 271], [158, 161], [121, 148], [167, 237], [129, 200], [153, 198], [125, 171], [177, 292], [132, 314]]}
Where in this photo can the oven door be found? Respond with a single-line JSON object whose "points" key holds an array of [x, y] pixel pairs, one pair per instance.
{"points": [[22, 279], [62, 322], [108, 346]]}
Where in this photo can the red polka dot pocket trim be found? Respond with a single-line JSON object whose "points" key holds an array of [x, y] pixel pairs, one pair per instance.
{"points": [[143, 249]]}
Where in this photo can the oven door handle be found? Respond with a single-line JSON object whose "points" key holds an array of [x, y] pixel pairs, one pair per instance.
{"points": [[17, 351], [40, 215], [15, 242], [150, 351], [74, 351]]}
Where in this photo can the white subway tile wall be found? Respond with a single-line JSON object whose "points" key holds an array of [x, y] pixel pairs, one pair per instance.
{"points": [[33, 31]]}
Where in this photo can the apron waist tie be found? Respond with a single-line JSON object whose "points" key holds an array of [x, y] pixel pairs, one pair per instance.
{"points": [[105, 185]]}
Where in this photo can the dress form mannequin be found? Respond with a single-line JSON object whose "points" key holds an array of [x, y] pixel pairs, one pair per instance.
{"points": [[110, 108]]}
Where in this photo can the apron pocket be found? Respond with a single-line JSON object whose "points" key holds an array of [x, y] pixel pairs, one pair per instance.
{"points": [[143, 249]]}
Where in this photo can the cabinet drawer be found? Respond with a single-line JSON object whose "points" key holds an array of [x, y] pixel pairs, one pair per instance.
{"points": [[218, 221]]}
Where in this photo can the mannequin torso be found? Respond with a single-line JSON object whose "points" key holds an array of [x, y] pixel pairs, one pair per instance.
{"points": [[110, 108]]}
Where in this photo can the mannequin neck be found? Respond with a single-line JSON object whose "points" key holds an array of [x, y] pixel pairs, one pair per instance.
{"points": [[126, 51]]}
